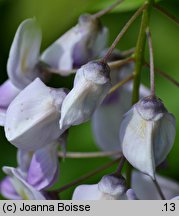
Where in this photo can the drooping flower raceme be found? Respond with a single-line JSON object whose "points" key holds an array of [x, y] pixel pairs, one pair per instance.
{"points": [[91, 85], [147, 134], [110, 187], [76, 47], [32, 119]]}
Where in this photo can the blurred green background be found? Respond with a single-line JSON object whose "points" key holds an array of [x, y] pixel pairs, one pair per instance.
{"points": [[57, 16]]}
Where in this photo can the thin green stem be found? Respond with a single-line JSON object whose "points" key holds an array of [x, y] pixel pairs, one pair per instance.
{"points": [[118, 85], [119, 63], [152, 74], [86, 176], [89, 154], [139, 52], [139, 61]]}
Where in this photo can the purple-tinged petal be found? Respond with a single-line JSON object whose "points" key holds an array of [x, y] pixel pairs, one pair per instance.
{"points": [[24, 54], [32, 118], [175, 198], [26, 191], [7, 93], [2, 117], [77, 46], [24, 159], [131, 194], [108, 116], [146, 190], [7, 189], [43, 170]]}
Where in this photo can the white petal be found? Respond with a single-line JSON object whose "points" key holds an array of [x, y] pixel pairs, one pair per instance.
{"points": [[24, 54], [136, 139], [88, 92], [164, 137], [33, 116], [26, 191], [146, 190], [77, 46], [108, 116], [87, 192], [7, 93]]}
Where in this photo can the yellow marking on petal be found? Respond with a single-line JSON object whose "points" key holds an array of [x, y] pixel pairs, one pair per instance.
{"points": [[142, 128], [23, 194], [24, 60]]}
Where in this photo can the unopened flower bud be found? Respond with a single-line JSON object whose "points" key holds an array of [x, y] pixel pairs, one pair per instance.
{"points": [[91, 85], [110, 187], [147, 134], [77, 46], [32, 117]]}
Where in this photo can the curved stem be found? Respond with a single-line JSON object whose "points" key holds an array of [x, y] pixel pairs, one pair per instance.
{"points": [[152, 75], [121, 164], [117, 64], [118, 85], [166, 13], [89, 154], [139, 59], [86, 176], [108, 9], [165, 75], [122, 32]]}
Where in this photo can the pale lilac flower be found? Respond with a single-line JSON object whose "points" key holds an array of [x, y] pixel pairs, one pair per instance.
{"points": [[76, 47], [16, 187], [108, 116], [147, 134], [110, 187], [91, 85], [7, 93], [22, 63], [145, 189], [36, 171], [24, 54], [32, 119]]}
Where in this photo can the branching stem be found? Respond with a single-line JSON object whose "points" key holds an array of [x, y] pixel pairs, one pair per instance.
{"points": [[166, 13], [108, 9], [152, 75], [86, 176], [122, 32]]}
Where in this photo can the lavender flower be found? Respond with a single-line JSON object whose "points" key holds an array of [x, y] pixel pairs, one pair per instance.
{"points": [[76, 47]]}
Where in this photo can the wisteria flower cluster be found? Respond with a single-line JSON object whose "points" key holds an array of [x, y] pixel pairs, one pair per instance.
{"points": [[129, 122]]}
